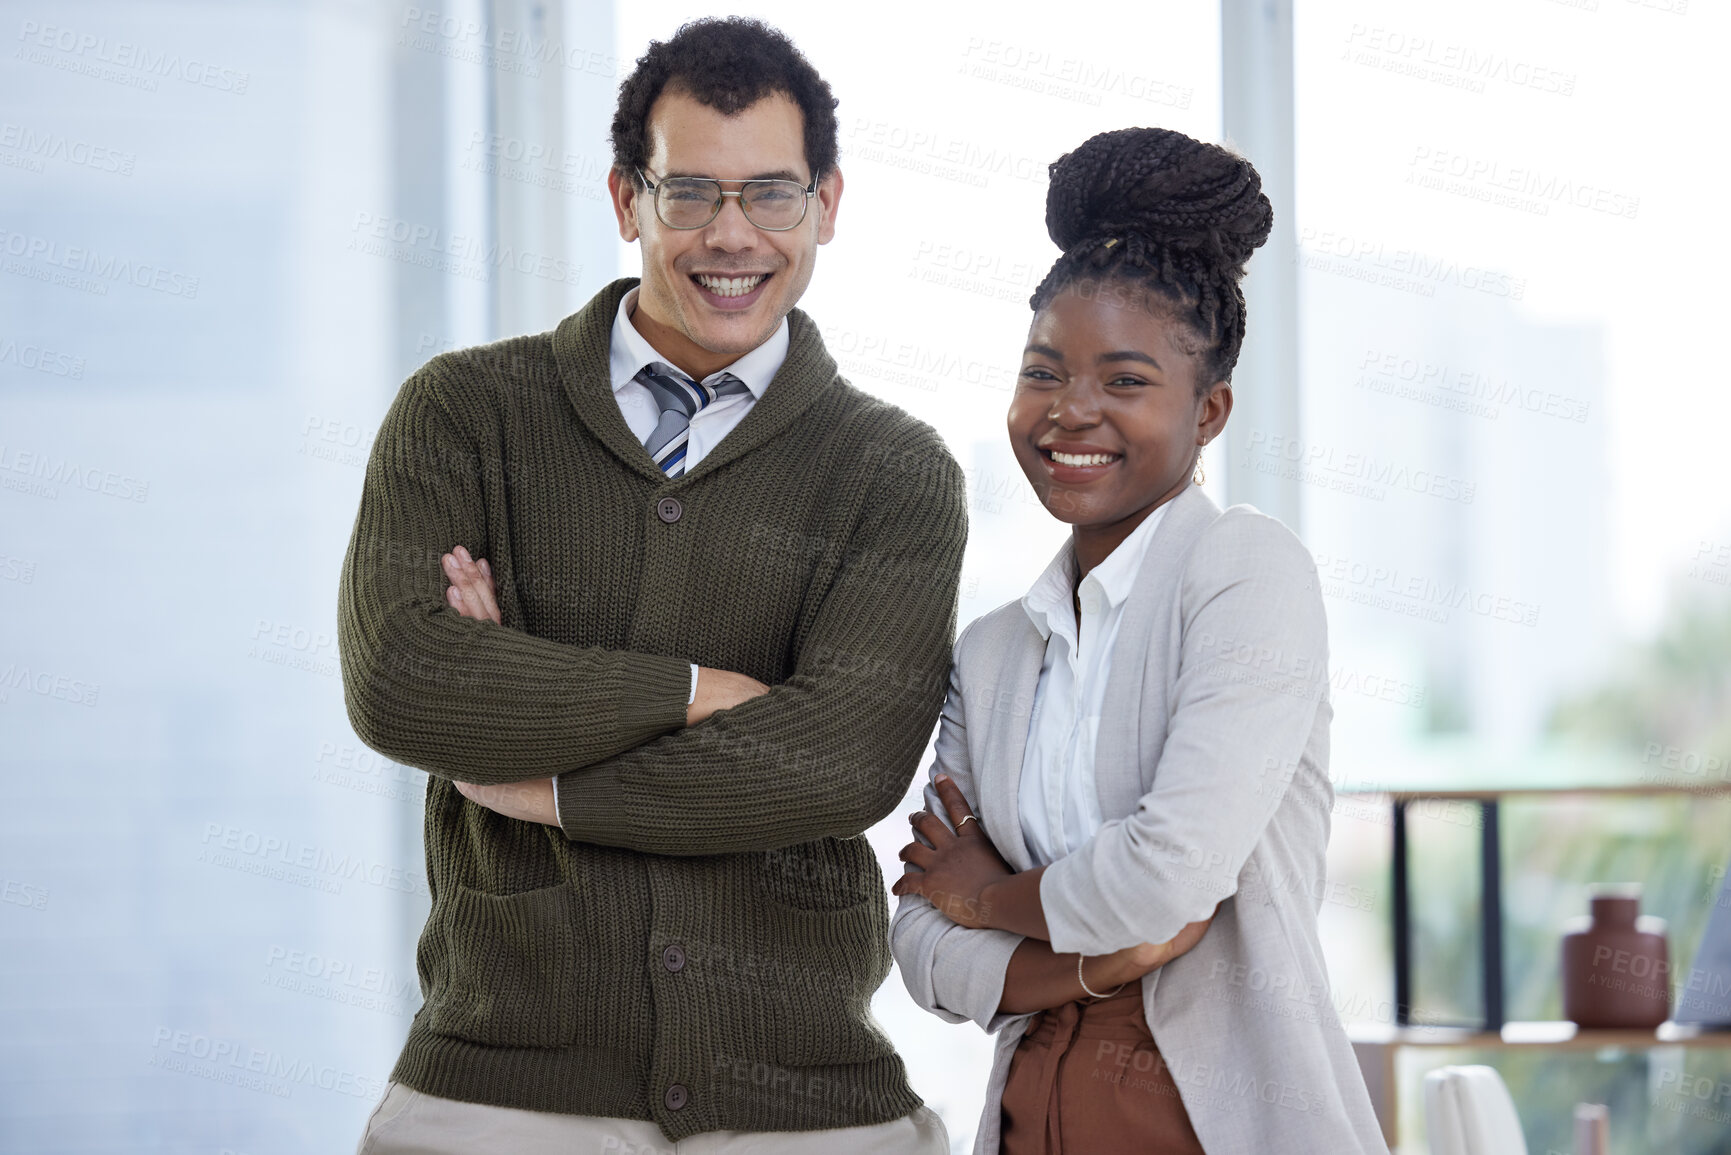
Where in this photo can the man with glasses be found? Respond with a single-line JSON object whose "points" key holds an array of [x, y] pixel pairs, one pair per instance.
{"points": [[665, 608]]}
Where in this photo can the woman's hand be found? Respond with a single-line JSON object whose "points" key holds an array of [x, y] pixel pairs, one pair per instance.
{"points": [[1038, 980], [472, 595], [956, 868], [471, 591], [1135, 961]]}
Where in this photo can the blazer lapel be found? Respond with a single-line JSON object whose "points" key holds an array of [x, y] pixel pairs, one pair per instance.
{"points": [[1133, 708], [1010, 700]]}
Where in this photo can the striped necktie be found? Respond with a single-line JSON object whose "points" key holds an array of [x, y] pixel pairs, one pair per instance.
{"points": [[679, 397]]}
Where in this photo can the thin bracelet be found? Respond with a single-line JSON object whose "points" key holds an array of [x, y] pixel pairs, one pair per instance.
{"points": [[1089, 989]]}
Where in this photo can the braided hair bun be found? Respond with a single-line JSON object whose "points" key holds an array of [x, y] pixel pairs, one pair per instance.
{"points": [[1185, 194], [1167, 211]]}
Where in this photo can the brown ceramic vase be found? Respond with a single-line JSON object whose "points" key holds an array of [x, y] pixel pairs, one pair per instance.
{"points": [[1616, 967]]}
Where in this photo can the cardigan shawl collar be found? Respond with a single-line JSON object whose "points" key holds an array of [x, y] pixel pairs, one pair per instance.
{"points": [[580, 348]]}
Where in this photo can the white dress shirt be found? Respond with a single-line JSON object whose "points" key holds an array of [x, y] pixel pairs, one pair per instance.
{"points": [[1059, 802], [628, 352]]}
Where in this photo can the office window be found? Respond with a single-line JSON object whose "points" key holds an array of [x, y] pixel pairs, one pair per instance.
{"points": [[1508, 467]]}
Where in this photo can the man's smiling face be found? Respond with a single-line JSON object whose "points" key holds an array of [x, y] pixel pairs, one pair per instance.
{"points": [[713, 294]]}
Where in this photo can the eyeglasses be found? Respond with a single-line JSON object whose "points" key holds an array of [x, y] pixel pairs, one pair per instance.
{"points": [[690, 202]]}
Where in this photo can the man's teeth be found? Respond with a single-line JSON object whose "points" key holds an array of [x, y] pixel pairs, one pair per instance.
{"points": [[730, 286], [1083, 458]]}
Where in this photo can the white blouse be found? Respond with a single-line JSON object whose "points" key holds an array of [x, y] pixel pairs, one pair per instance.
{"points": [[1059, 803]]}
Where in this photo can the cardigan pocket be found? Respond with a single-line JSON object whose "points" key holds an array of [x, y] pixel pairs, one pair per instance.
{"points": [[817, 1002], [511, 968]]}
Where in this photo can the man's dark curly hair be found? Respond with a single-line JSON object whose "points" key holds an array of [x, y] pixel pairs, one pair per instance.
{"points": [[728, 64], [1162, 211]]}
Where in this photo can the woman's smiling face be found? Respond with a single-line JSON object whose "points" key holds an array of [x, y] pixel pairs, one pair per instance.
{"points": [[1109, 383]]}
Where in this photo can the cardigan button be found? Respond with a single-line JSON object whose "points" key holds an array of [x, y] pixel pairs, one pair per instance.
{"points": [[669, 509], [673, 958], [676, 1097]]}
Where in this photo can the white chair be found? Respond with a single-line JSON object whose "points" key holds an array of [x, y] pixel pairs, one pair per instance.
{"points": [[1468, 1111]]}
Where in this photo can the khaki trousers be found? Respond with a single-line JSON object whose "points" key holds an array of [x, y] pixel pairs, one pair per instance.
{"points": [[410, 1122]]}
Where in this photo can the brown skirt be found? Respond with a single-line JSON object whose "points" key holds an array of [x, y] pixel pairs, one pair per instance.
{"points": [[1086, 1077]]}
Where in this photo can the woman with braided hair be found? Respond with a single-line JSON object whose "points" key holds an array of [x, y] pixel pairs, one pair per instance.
{"points": [[1122, 856]]}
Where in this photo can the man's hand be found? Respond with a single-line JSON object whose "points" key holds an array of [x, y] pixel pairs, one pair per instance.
{"points": [[472, 595], [720, 690], [531, 801], [956, 868]]}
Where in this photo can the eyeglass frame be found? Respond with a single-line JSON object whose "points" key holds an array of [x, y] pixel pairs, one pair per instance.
{"points": [[809, 190]]}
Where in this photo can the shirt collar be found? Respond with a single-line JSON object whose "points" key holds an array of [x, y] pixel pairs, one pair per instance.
{"points": [[629, 352], [1048, 601]]}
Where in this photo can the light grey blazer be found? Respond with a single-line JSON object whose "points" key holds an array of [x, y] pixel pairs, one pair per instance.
{"points": [[1212, 770]]}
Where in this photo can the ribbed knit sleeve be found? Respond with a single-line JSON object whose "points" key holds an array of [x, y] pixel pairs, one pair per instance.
{"points": [[461, 698], [829, 751]]}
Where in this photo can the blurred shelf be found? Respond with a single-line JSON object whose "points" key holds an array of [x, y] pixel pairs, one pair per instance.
{"points": [[1407, 793], [1464, 769], [1537, 1034], [1471, 779], [1377, 1047]]}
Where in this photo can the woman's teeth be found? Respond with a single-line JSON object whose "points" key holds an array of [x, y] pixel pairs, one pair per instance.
{"points": [[1083, 458], [730, 286]]}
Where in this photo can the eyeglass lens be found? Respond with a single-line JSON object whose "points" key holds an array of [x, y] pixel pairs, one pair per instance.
{"points": [[692, 202]]}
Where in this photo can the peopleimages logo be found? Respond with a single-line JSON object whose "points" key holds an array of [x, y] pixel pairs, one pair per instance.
{"points": [[1365, 259], [1529, 188], [44, 471], [1453, 65], [109, 267], [254, 1068], [40, 359], [932, 152], [1075, 78], [409, 242], [40, 146], [299, 863], [85, 51], [1416, 595], [47, 684], [1361, 473], [339, 981], [507, 49], [925, 367], [1460, 388]]}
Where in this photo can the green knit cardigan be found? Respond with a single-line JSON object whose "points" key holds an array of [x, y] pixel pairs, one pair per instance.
{"points": [[698, 943]]}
